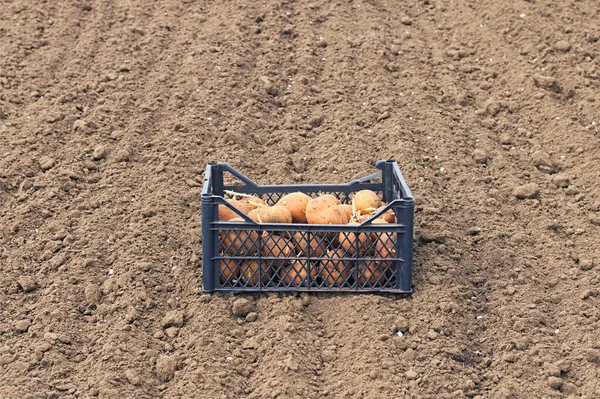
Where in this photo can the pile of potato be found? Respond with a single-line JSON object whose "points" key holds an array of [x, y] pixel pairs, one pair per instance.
{"points": [[289, 251]]}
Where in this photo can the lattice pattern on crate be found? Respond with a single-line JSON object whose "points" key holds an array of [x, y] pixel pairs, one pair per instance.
{"points": [[307, 259]]}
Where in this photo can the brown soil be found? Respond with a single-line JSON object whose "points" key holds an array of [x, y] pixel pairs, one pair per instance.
{"points": [[110, 110]]}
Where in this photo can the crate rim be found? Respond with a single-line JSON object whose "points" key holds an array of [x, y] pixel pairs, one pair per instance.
{"points": [[207, 190]]}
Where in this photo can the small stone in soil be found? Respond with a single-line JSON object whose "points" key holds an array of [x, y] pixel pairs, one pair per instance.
{"points": [[406, 20], [530, 190], [251, 317]]}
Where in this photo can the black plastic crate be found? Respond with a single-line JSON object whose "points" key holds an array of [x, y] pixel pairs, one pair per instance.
{"points": [[258, 257]]}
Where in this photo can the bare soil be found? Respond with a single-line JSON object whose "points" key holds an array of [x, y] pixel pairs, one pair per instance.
{"points": [[110, 110]]}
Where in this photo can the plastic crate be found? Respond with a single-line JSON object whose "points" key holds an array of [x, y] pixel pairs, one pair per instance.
{"points": [[239, 256]]}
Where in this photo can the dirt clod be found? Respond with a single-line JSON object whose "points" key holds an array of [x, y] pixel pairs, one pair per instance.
{"points": [[561, 180], [241, 307], [406, 20], [27, 283], [171, 332], [22, 326], [250, 343], [327, 355], [251, 317], [316, 121], [506, 138], [132, 376], [480, 156], [562, 45], [555, 383], [411, 375], [46, 162], [172, 318], [165, 367], [529, 190], [546, 82], [593, 356], [92, 293], [586, 263], [99, 152], [541, 159]]}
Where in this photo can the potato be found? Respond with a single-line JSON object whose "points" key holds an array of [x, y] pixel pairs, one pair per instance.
{"points": [[370, 272], [258, 214], [335, 271], [387, 249], [331, 197], [297, 273], [388, 216], [227, 214], [277, 214], [375, 234], [280, 247], [296, 204], [362, 218], [346, 210], [366, 201], [348, 241], [229, 271], [253, 202], [249, 272], [317, 246], [323, 211], [239, 242]]}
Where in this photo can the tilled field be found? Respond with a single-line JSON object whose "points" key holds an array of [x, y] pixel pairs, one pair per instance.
{"points": [[109, 112]]}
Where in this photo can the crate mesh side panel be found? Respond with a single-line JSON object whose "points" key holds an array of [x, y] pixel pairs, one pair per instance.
{"points": [[308, 259]]}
